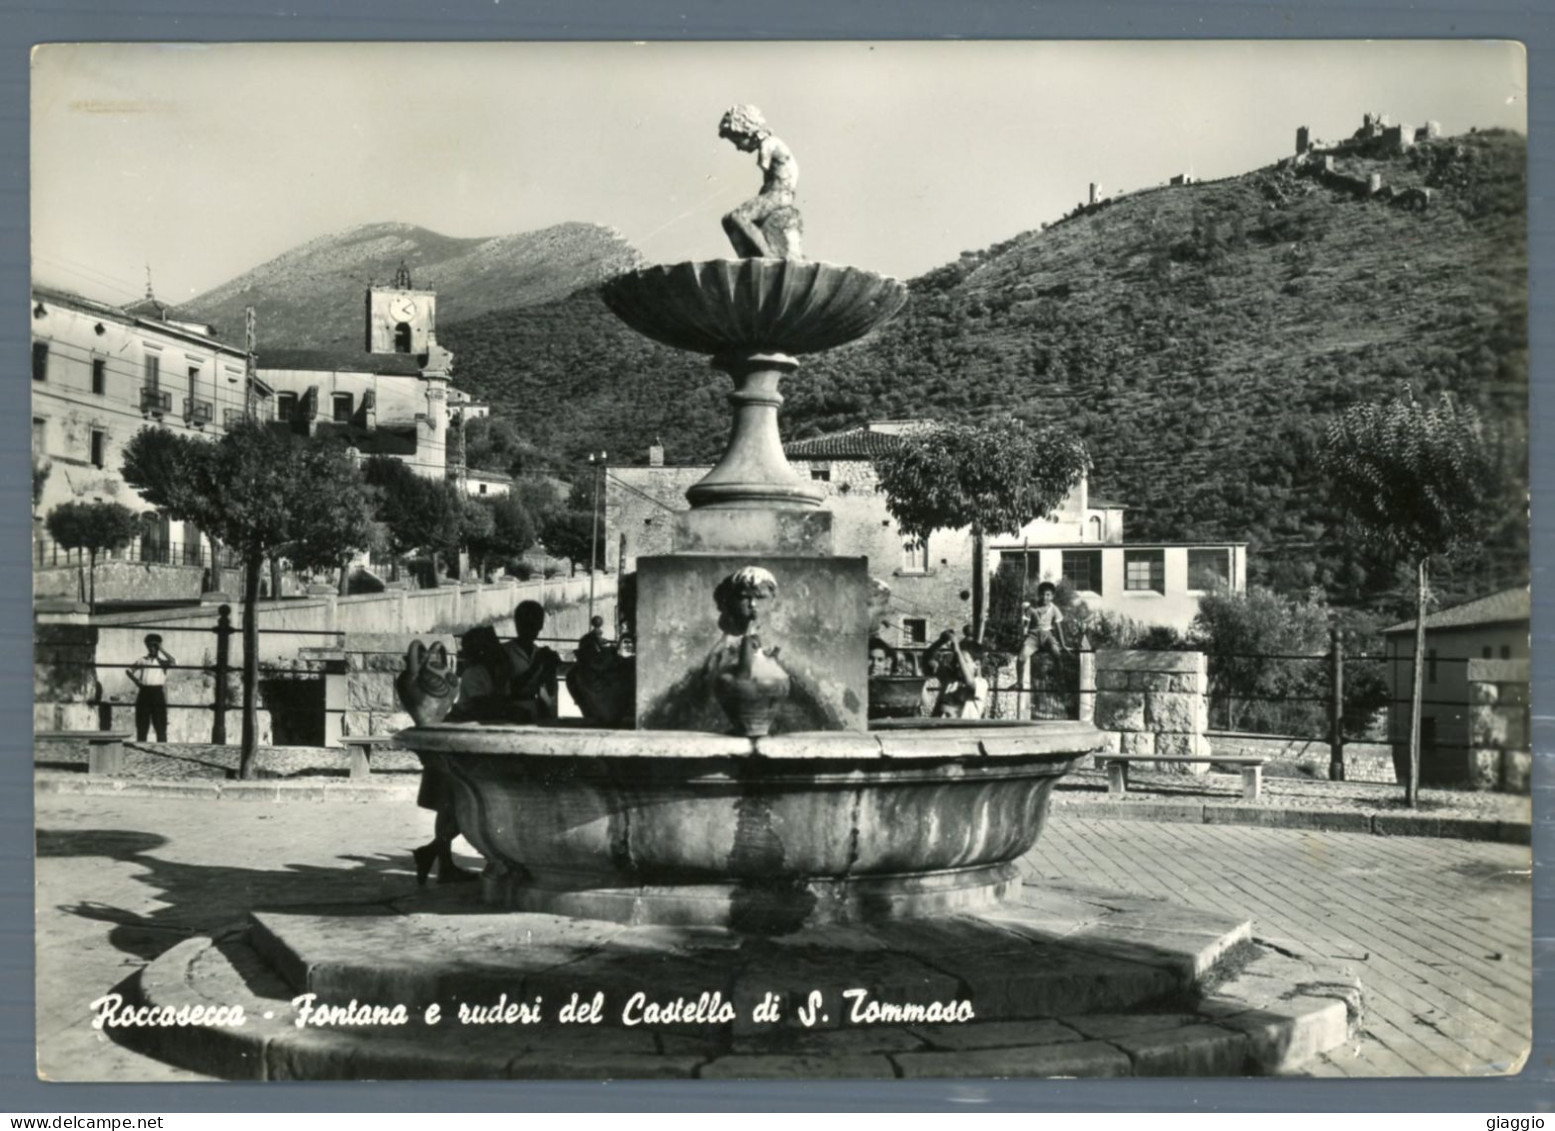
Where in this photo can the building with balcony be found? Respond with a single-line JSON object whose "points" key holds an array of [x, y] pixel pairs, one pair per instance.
{"points": [[930, 583], [101, 373]]}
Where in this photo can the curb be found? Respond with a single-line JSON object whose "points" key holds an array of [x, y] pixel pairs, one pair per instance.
{"points": [[1316, 820], [273, 791], [1179, 812]]}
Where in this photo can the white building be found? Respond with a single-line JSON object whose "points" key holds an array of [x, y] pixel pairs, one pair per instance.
{"points": [[101, 373]]}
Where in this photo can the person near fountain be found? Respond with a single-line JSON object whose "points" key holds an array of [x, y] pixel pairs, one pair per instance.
{"points": [[767, 226], [149, 675], [1042, 631], [601, 681], [482, 696], [532, 693], [963, 687]]}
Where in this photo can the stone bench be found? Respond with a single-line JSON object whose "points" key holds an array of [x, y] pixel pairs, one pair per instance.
{"points": [[105, 748], [361, 747], [1252, 770]]}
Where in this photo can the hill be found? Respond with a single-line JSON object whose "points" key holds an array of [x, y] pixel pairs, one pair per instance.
{"points": [[1199, 337], [312, 295]]}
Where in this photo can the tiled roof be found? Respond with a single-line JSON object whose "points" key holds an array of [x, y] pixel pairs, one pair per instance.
{"points": [[1510, 605], [860, 443], [341, 361]]}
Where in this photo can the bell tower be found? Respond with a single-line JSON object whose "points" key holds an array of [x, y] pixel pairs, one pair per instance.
{"points": [[400, 318]]}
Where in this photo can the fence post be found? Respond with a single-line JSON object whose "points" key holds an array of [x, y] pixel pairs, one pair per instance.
{"points": [[1336, 706], [223, 663], [1087, 711]]}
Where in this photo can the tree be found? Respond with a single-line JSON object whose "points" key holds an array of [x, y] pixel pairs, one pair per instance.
{"points": [[93, 527], [575, 531], [1412, 479], [509, 533], [1249, 638], [994, 477], [419, 515], [258, 490]]}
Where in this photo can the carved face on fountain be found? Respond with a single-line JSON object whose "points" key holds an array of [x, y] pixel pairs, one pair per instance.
{"points": [[741, 598]]}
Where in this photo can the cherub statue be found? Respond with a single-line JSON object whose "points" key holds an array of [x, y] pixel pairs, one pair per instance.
{"points": [[748, 682], [767, 226]]}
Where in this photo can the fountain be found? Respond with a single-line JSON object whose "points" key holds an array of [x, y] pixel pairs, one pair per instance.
{"points": [[730, 870], [752, 792]]}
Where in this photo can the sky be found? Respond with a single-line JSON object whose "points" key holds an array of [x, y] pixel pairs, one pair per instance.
{"points": [[203, 161]]}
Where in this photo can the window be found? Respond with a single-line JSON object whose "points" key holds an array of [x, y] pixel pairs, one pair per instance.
{"points": [[915, 630], [402, 337], [483, 488], [40, 431], [99, 376], [1506, 651], [1209, 569], [153, 371], [344, 407], [1485, 652], [1093, 528], [285, 406], [915, 557], [821, 474], [1430, 665], [40, 361], [1144, 571], [1082, 570], [99, 447]]}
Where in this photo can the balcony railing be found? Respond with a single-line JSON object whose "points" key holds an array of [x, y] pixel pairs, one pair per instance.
{"points": [[154, 401], [198, 413]]}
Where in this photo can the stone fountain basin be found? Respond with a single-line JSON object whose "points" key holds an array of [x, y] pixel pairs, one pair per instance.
{"points": [[916, 817], [742, 306]]}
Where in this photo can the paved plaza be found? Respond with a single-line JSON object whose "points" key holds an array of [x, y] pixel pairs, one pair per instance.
{"points": [[1438, 930]]}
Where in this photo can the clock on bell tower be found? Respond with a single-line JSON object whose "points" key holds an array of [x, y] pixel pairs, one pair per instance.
{"points": [[400, 318]]}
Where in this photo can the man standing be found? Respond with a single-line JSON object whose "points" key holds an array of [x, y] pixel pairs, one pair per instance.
{"points": [[149, 675]]}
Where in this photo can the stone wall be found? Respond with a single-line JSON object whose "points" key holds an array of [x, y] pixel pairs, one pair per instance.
{"points": [[80, 669], [123, 581], [1499, 754], [372, 661], [1153, 703], [1363, 761]]}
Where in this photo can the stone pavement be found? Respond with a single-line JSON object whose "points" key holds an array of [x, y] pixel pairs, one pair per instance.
{"points": [[1437, 929]]}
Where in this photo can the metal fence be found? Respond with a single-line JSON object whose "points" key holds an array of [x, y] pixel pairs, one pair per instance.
{"points": [[47, 552]]}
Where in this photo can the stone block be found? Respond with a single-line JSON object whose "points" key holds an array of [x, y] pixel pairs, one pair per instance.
{"points": [[1150, 681], [1116, 659], [1077, 1058], [742, 531], [1516, 768], [1176, 711], [1120, 710], [1112, 741], [1484, 694], [1184, 746], [1193, 1050], [837, 1066], [1112, 681], [819, 620], [1140, 742], [998, 1034]]}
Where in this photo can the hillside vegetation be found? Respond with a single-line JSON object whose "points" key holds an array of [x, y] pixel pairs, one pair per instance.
{"points": [[1198, 337]]}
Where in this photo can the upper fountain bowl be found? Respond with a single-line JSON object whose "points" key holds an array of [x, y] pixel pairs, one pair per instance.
{"points": [[743, 306]]}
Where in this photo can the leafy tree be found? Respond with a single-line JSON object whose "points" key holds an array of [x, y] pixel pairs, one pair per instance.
{"points": [[994, 477], [93, 527], [1249, 638], [257, 490], [494, 444], [1411, 477], [511, 531], [420, 515]]}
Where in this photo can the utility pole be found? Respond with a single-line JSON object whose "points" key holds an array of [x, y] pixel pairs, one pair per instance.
{"points": [[598, 463], [250, 342]]}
